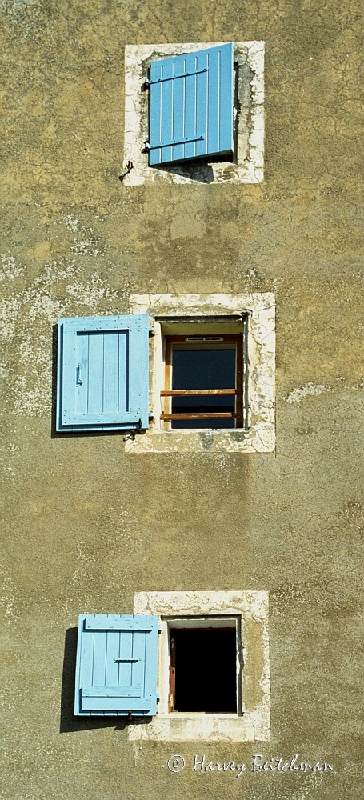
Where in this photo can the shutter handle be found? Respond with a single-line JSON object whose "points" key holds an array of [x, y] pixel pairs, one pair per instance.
{"points": [[125, 660], [79, 376]]}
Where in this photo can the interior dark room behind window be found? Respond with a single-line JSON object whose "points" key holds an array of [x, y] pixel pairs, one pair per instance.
{"points": [[205, 669]]}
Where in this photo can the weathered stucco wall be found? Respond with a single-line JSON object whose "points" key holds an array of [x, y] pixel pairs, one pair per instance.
{"points": [[88, 525]]}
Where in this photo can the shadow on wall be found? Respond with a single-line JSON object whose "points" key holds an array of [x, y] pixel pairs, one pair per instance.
{"points": [[68, 722], [199, 171]]}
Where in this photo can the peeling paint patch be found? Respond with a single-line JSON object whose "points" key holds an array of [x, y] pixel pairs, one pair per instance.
{"points": [[9, 315], [27, 319], [71, 223], [92, 293], [7, 598], [17, 5], [299, 394], [9, 269], [85, 247]]}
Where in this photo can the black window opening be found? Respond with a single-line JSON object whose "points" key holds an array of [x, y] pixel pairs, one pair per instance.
{"points": [[203, 670], [204, 379]]}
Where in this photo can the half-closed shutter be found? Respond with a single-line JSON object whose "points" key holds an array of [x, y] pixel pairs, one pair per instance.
{"points": [[103, 373], [191, 105], [116, 667]]}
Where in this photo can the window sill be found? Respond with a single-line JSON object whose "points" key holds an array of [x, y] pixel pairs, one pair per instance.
{"points": [[190, 727], [259, 439]]}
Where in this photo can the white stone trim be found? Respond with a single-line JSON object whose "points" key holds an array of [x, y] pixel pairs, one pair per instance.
{"points": [[258, 436], [251, 609], [250, 134]]}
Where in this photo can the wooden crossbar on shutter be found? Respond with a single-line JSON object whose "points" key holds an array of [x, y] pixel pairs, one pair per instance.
{"points": [[191, 105], [103, 373], [116, 668]]}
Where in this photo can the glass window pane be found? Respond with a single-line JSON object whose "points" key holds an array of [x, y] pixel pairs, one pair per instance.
{"points": [[205, 368]]}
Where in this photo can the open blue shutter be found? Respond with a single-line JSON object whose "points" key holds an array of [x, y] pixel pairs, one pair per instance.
{"points": [[191, 105], [103, 373], [116, 666]]}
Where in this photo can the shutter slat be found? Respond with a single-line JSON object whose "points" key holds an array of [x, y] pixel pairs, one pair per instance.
{"points": [[113, 364], [139, 652], [202, 85], [126, 652], [155, 100], [112, 677], [213, 97], [95, 373], [178, 110], [190, 107], [191, 96], [167, 110], [226, 126], [99, 660]]}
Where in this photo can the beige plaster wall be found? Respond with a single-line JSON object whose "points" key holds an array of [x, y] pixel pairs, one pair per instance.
{"points": [[86, 525]]}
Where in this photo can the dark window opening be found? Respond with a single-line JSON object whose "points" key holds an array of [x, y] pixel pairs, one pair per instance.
{"points": [[203, 670], [203, 386]]}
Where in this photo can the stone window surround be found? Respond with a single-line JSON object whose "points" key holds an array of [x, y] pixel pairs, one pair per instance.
{"points": [[258, 434], [250, 119], [250, 608]]}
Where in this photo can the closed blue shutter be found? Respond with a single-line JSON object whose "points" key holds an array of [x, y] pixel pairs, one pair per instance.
{"points": [[103, 373], [116, 666], [191, 105]]}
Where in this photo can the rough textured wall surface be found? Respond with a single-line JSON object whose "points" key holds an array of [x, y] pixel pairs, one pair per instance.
{"points": [[86, 525]]}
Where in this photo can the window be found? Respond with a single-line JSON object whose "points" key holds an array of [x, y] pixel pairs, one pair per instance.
{"points": [[194, 112], [203, 382], [211, 373], [196, 664], [213, 666], [205, 665], [209, 385]]}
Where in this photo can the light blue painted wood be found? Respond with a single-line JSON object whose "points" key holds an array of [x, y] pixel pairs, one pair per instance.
{"points": [[116, 665], [191, 105], [118, 622], [98, 706], [112, 691], [103, 373]]}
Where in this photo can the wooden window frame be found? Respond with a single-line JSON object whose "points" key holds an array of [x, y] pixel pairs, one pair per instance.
{"points": [[167, 393]]}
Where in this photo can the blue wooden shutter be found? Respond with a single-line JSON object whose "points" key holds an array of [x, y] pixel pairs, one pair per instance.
{"points": [[191, 105], [116, 666], [103, 373]]}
